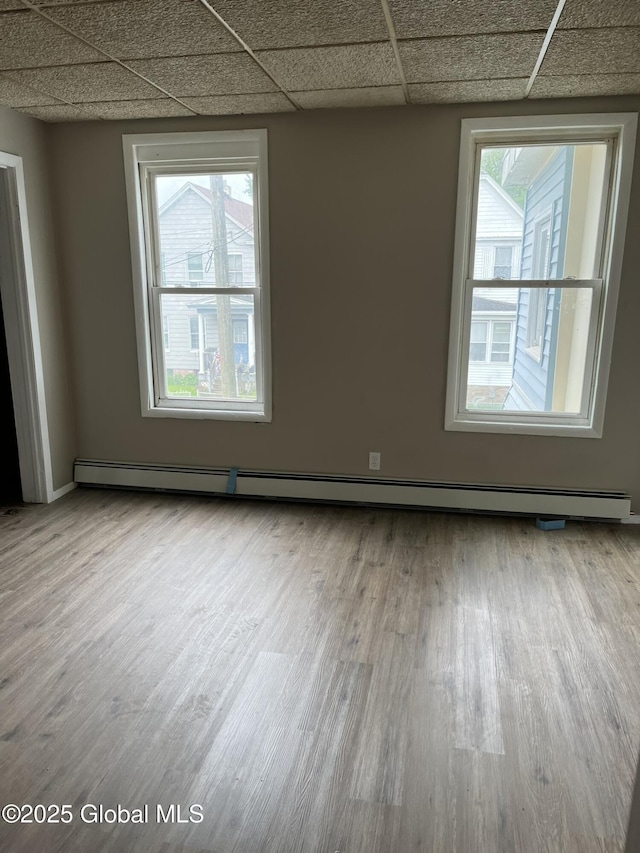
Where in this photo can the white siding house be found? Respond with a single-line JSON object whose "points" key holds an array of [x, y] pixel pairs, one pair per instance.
{"points": [[499, 227], [186, 242]]}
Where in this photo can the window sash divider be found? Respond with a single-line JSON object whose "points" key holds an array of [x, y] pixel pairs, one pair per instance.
{"points": [[238, 290], [516, 284]]}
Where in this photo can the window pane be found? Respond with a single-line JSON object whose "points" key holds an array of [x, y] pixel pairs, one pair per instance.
{"points": [[542, 204], [478, 332], [478, 345], [501, 332], [205, 229], [195, 266], [503, 262], [221, 365], [194, 332], [519, 378]]}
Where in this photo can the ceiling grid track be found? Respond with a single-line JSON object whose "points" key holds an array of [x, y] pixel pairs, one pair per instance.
{"points": [[394, 46], [111, 58], [6, 75], [545, 47], [251, 53]]}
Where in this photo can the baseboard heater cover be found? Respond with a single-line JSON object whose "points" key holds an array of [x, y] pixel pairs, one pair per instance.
{"points": [[361, 490]]}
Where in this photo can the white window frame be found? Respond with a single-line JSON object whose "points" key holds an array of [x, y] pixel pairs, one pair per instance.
{"points": [[510, 131], [214, 152], [479, 317]]}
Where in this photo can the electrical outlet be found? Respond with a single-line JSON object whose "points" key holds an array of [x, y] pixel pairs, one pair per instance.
{"points": [[374, 461]]}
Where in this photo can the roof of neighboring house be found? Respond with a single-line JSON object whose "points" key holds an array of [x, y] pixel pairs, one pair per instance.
{"points": [[236, 209], [504, 195], [482, 303]]}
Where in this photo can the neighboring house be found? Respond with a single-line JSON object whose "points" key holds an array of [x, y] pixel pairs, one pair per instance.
{"points": [[497, 255], [498, 232], [190, 323], [559, 238]]}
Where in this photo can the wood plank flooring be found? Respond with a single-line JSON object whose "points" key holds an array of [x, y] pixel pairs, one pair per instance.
{"points": [[317, 678]]}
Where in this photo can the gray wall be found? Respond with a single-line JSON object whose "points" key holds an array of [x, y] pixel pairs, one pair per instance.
{"points": [[28, 138], [362, 215]]}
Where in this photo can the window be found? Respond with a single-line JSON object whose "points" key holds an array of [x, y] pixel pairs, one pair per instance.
{"points": [[537, 307], [194, 332], [501, 342], [235, 268], [240, 332], [503, 260], [165, 334], [478, 341], [490, 341], [195, 269], [558, 188], [186, 194]]}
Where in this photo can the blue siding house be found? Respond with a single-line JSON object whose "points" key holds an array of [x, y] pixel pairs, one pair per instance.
{"points": [[543, 255]]}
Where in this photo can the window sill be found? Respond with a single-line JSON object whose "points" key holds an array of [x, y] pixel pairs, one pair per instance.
{"points": [[206, 414], [567, 430], [534, 353]]}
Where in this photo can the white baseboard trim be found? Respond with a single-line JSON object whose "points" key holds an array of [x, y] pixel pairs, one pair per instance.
{"points": [[61, 492], [514, 500]]}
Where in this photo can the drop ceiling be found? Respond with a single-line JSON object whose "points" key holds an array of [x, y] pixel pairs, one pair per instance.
{"points": [[62, 60]]}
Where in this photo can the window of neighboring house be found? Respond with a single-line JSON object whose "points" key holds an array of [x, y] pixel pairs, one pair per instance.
{"points": [[478, 341], [501, 341], [502, 262], [194, 333], [170, 177], [240, 332], [490, 341], [235, 268], [195, 266], [563, 187], [537, 300], [165, 334]]}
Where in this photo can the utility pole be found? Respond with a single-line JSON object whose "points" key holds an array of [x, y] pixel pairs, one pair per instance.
{"points": [[221, 268]]}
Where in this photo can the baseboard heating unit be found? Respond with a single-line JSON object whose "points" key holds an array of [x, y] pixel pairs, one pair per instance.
{"points": [[513, 500]]}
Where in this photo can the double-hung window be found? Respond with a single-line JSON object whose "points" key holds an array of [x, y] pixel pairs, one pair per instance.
{"points": [[557, 188], [188, 195]]}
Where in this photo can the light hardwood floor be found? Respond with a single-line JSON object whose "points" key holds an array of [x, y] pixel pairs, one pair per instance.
{"points": [[318, 678]]}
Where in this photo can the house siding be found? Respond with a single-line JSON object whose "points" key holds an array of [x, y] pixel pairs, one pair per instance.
{"points": [[549, 192], [499, 223], [185, 227]]}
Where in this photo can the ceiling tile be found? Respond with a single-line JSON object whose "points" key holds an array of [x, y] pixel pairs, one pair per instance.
{"points": [[463, 17], [105, 81], [606, 51], [18, 95], [29, 41], [584, 85], [468, 91], [60, 112], [595, 13], [238, 104], [357, 66], [378, 96], [281, 23], [482, 57], [138, 29], [155, 108], [219, 74]]}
